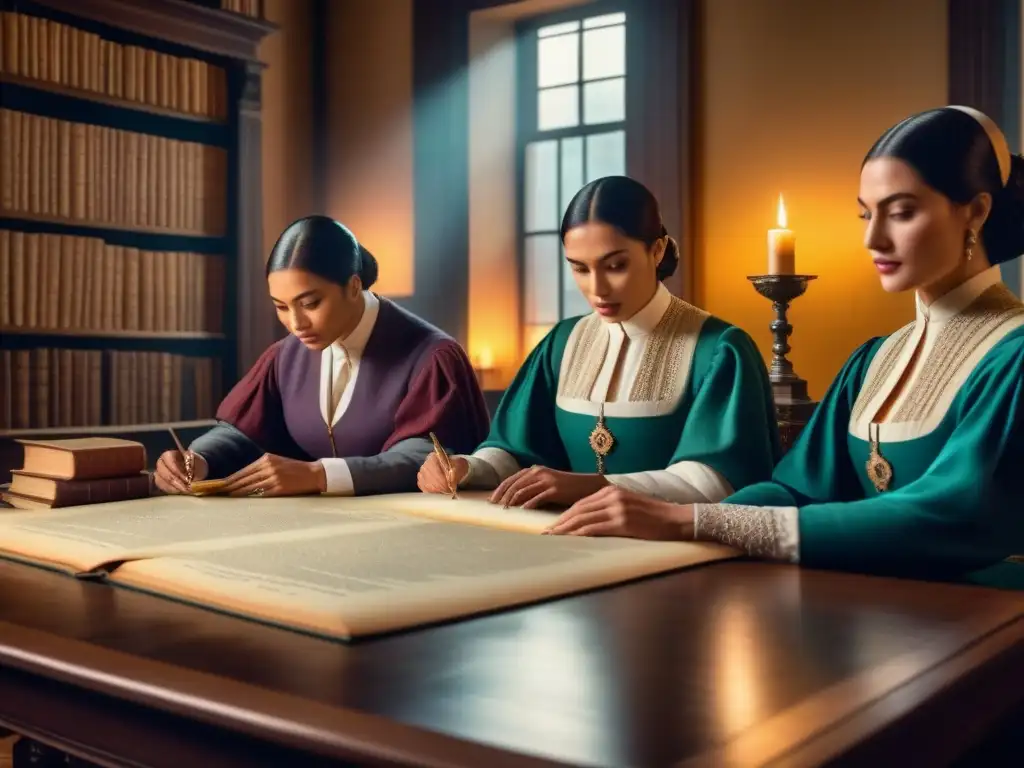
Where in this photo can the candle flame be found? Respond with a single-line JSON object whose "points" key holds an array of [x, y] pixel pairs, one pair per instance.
{"points": [[781, 216]]}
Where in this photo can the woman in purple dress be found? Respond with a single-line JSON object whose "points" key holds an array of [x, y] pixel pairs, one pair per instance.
{"points": [[344, 404]]}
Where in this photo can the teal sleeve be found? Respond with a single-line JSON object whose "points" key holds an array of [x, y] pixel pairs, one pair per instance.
{"points": [[817, 466], [524, 421], [963, 514], [731, 426]]}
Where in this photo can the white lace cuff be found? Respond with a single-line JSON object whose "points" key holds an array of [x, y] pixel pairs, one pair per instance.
{"points": [[772, 533]]}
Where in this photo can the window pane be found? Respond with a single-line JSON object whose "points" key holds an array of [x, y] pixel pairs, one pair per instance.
{"points": [[606, 155], [558, 108], [558, 60], [604, 52], [604, 21], [573, 303], [572, 170], [604, 101], [540, 278], [558, 29], [540, 188]]}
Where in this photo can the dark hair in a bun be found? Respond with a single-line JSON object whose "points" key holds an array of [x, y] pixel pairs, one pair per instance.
{"points": [[324, 247], [627, 205], [367, 267], [951, 150], [1003, 233]]}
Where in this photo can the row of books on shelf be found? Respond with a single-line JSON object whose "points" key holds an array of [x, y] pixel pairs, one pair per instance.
{"points": [[79, 284], [95, 174], [46, 388], [48, 51], [73, 471]]}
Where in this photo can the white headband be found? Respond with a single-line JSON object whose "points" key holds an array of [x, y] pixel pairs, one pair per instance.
{"points": [[999, 145]]}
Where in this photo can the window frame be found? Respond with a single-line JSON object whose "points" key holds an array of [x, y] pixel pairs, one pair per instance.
{"points": [[526, 90]]}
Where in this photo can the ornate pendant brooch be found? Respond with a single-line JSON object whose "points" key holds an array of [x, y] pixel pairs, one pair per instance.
{"points": [[601, 441], [879, 470]]}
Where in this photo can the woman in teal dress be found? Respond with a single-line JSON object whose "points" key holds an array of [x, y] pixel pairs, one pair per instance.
{"points": [[647, 392], [912, 464]]}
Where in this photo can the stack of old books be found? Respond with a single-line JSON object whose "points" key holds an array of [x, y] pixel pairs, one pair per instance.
{"points": [[85, 470]]}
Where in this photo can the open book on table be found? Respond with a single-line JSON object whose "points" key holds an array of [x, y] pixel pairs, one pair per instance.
{"points": [[333, 566]]}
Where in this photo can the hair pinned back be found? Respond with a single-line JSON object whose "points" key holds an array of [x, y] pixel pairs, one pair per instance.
{"points": [[367, 267], [324, 247], [627, 205], [960, 153]]}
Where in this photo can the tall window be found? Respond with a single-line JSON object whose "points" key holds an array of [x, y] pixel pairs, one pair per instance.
{"points": [[572, 129]]}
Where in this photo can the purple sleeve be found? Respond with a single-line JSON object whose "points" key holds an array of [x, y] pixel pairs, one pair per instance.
{"points": [[444, 397], [253, 407]]}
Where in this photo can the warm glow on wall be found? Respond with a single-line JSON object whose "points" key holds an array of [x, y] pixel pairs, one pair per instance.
{"points": [[809, 143], [369, 162], [494, 301], [393, 251], [532, 336], [485, 360]]}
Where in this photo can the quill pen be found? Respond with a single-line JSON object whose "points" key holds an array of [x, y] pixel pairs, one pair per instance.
{"points": [[446, 465], [186, 457]]}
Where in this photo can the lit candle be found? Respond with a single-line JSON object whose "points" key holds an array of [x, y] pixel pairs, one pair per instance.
{"points": [[781, 246]]}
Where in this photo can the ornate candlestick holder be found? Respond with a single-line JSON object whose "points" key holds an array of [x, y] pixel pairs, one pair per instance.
{"points": [[793, 405]]}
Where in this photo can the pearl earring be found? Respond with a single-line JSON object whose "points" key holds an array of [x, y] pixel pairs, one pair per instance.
{"points": [[972, 240]]}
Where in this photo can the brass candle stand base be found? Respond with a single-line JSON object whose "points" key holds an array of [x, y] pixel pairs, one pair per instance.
{"points": [[792, 403]]}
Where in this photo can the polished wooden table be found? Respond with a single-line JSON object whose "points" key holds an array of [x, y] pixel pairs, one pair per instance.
{"points": [[730, 664]]}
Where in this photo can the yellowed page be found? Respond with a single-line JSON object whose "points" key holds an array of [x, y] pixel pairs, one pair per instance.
{"points": [[347, 583], [471, 508], [78, 539]]}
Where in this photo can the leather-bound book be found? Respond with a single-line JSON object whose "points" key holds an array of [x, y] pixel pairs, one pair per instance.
{"points": [[83, 458], [53, 492]]}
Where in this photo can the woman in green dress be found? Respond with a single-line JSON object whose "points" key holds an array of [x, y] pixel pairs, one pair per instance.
{"points": [[911, 465], [647, 392]]}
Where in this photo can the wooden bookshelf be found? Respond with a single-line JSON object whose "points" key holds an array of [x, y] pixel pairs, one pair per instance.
{"points": [[109, 429], [130, 182], [63, 221], [100, 98], [83, 334]]}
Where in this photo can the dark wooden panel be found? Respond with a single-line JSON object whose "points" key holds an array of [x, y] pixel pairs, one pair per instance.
{"points": [[737, 660], [321, 129], [985, 72], [254, 325], [659, 72]]}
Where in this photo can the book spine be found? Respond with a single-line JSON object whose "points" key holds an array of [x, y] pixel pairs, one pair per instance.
{"points": [[75, 492]]}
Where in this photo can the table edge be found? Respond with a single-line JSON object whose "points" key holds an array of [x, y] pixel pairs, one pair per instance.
{"points": [[834, 719], [926, 690], [282, 718]]}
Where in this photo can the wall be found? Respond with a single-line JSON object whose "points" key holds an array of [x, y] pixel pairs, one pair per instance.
{"points": [[287, 119], [493, 272], [369, 162], [790, 99], [494, 341], [793, 93]]}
